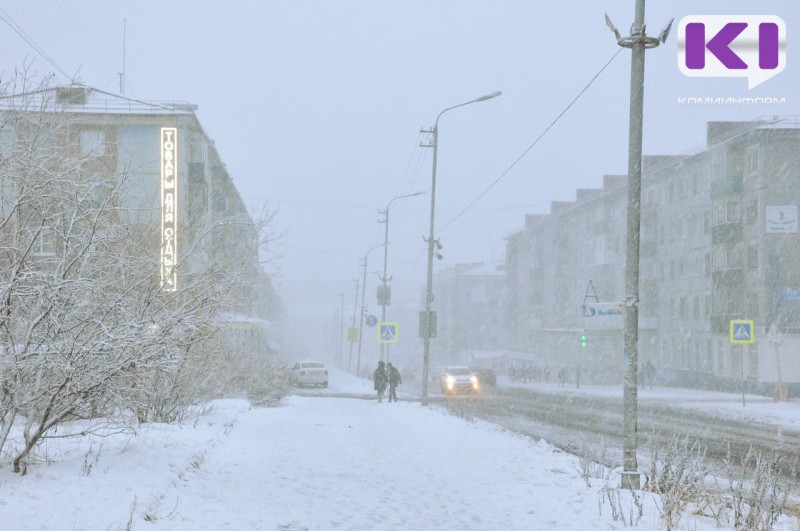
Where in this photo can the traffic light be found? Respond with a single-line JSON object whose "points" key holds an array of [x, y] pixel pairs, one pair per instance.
{"points": [[584, 340]]}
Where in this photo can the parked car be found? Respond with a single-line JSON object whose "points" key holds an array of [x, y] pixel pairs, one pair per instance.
{"points": [[458, 379], [309, 374], [486, 377]]}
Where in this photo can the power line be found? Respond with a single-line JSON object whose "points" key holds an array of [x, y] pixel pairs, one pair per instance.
{"points": [[529, 148], [19, 31]]}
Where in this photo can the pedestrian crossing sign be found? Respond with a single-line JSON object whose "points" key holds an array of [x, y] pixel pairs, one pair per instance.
{"points": [[387, 332], [742, 332]]}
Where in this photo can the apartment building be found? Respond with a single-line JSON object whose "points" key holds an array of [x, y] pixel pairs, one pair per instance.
{"points": [[176, 185], [719, 242]]}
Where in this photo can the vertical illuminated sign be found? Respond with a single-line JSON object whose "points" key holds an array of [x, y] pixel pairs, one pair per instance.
{"points": [[169, 207]]}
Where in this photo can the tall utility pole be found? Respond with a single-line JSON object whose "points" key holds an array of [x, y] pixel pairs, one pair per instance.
{"points": [[361, 326], [385, 297], [363, 288], [426, 329], [341, 329], [355, 307], [637, 42]]}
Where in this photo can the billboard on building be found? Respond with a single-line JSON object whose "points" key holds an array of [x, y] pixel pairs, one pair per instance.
{"points": [[602, 316], [781, 219], [169, 208]]}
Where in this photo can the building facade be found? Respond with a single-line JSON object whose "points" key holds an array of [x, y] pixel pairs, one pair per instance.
{"points": [[469, 299], [719, 242], [177, 189]]}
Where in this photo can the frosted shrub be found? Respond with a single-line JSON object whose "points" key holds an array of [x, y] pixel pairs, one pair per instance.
{"points": [[593, 459], [626, 506], [756, 489], [678, 477]]}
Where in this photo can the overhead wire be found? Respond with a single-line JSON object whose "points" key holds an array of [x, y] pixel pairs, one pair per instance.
{"points": [[38, 49], [101, 51], [533, 144]]}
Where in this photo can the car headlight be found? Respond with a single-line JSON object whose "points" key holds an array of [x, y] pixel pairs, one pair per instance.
{"points": [[474, 380], [451, 381]]}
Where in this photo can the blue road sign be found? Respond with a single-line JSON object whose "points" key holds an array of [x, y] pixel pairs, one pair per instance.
{"points": [[387, 332], [742, 332]]}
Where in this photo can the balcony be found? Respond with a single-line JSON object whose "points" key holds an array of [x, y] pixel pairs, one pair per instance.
{"points": [[721, 323], [727, 186], [731, 279], [726, 232]]}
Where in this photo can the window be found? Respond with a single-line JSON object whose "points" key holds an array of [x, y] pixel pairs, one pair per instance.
{"points": [[197, 149], [752, 160], [6, 141], [93, 143], [752, 366], [720, 258], [752, 304], [752, 257], [651, 196], [684, 227], [725, 212], [45, 244], [736, 358], [718, 166]]}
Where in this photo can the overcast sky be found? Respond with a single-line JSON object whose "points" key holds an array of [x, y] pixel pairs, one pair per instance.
{"points": [[316, 109]]}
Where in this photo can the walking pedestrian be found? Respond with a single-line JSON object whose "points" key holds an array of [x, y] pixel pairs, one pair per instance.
{"points": [[562, 376], [379, 380], [649, 373], [394, 379]]}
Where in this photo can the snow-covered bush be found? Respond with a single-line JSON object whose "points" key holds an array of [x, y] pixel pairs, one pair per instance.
{"points": [[86, 330]]}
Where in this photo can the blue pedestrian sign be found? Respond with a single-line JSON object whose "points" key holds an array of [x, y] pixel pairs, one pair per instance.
{"points": [[742, 332], [387, 332]]}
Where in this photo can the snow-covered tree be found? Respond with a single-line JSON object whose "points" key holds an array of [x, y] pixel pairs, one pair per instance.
{"points": [[86, 330]]}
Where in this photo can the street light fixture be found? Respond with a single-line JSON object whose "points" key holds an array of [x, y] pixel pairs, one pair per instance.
{"points": [[361, 325], [426, 329], [385, 294]]}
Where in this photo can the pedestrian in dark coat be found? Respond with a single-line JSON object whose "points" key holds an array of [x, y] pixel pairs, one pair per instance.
{"points": [[379, 380], [394, 379]]}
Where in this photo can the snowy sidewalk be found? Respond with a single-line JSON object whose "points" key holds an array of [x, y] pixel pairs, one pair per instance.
{"points": [[317, 463]]}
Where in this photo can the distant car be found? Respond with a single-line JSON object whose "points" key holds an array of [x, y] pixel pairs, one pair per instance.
{"points": [[458, 379], [309, 374], [409, 375], [486, 377]]}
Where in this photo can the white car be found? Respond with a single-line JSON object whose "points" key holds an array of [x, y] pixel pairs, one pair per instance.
{"points": [[459, 379], [309, 374]]}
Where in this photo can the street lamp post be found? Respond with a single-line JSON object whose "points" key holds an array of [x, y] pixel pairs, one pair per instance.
{"points": [[426, 329], [385, 295], [361, 325], [341, 330], [355, 307]]}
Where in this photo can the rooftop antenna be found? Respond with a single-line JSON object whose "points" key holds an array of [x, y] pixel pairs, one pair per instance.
{"points": [[122, 74]]}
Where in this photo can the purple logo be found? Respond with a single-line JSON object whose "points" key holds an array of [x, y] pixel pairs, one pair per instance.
{"points": [[751, 46]]}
